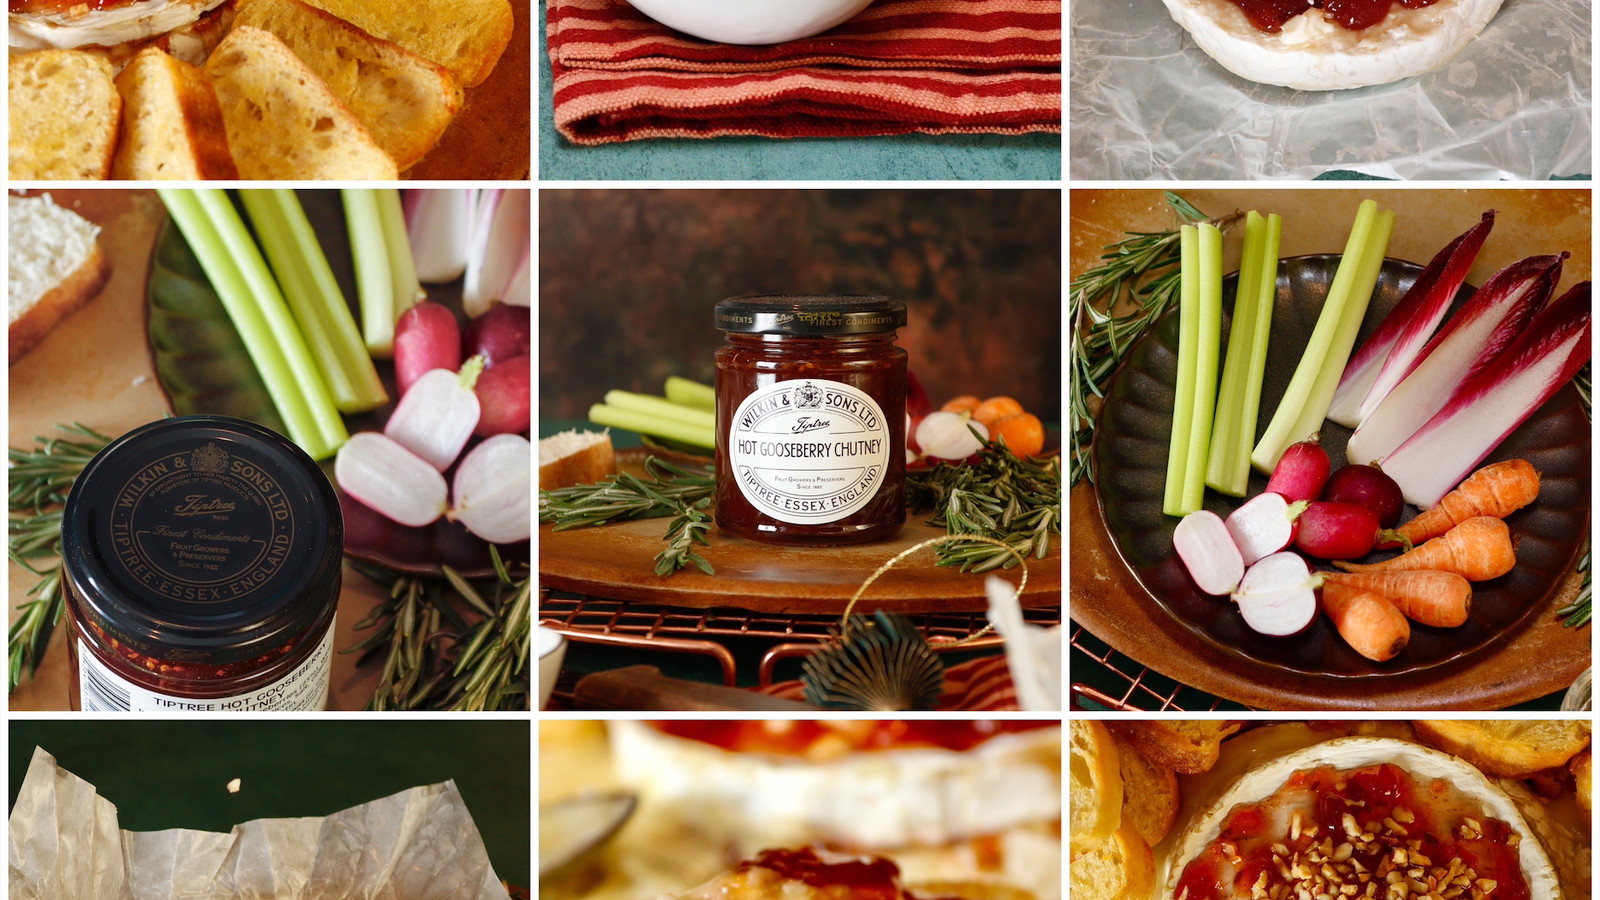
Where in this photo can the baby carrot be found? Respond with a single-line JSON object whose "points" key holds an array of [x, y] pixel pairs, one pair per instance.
{"points": [[1371, 625], [1442, 599], [1478, 549], [1498, 490]]}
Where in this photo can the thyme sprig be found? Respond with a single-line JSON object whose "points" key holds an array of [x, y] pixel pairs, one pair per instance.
{"points": [[1141, 272], [40, 479], [1003, 496], [434, 657]]}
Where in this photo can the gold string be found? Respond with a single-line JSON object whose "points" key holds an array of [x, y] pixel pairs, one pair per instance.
{"points": [[944, 539]]}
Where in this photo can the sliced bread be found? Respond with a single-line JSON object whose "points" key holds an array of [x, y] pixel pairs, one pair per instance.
{"points": [[1508, 748], [1095, 781], [1190, 746], [465, 36], [1150, 795], [1119, 868], [171, 123], [64, 115], [54, 266], [404, 100], [575, 457], [282, 121]]}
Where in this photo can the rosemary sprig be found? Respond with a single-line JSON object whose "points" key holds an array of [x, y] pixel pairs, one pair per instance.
{"points": [[619, 498], [1139, 271], [1001, 496], [687, 530], [434, 658], [1577, 613], [40, 479]]}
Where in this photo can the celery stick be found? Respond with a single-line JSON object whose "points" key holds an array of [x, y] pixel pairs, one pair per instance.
{"points": [[240, 277], [374, 280], [684, 392], [1289, 421], [658, 406], [658, 426], [1239, 398], [408, 290], [1207, 350], [319, 306], [1183, 401]]}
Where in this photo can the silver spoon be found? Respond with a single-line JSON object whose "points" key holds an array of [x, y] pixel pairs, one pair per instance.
{"points": [[570, 828]]}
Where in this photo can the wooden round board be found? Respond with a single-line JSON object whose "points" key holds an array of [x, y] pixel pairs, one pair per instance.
{"points": [[618, 562]]}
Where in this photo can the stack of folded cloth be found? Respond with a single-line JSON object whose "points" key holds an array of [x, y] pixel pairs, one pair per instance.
{"points": [[902, 66]]}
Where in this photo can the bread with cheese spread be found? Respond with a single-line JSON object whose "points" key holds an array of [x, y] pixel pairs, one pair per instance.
{"points": [[1313, 53], [54, 266]]}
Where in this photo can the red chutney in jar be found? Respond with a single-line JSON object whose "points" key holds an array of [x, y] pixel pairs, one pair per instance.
{"points": [[1429, 822], [1355, 15], [201, 558], [811, 417]]}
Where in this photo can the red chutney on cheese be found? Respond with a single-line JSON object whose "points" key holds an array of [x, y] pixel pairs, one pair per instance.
{"points": [[1390, 835], [1270, 15]]}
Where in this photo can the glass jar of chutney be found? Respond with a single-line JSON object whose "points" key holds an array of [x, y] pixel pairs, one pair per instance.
{"points": [[201, 558], [811, 418]]}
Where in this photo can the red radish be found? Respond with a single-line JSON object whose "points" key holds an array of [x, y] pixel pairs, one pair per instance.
{"points": [[1278, 595], [1301, 472], [1482, 411], [435, 418], [427, 337], [505, 397], [1370, 487], [1371, 625], [1465, 346], [1265, 524], [1392, 350], [390, 479], [492, 489], [1330, 529], [1208, 552], [501, 333]]}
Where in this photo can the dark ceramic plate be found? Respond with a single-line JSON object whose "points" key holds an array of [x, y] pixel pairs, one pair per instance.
{"points": [[202, 367], [1131, 456]]}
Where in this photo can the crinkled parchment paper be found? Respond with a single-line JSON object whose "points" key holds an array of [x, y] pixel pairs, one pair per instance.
{"points": [[419, 844], [1146, 103]]}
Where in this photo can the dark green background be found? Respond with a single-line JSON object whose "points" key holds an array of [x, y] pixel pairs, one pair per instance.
{"points": [[175, 774]]}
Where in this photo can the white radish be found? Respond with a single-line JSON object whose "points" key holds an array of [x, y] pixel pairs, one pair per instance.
{"points": [[1278, 595], [493, 490], [391, 479], [1208, 552], [1264, 524], [948, 435], [438, 413], [439, 224]]}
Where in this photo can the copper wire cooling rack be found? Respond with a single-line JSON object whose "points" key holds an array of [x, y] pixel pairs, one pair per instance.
{"points": [[704, 631], [1103, 678]]}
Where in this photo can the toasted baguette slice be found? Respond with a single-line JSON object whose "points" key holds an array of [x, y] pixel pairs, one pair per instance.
{"points": [[1096, 784], [575, 457], [54, 266], [1150, 795], [1582, 767], [64, 115], [1508, 748], [404, 100], [465, 36], [1188, 746], [282, 121], [171, 123], [1120, 868]]}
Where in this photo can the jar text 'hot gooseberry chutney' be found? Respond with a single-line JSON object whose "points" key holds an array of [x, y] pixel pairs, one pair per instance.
{"points": [[202, 565], [811, 416]]}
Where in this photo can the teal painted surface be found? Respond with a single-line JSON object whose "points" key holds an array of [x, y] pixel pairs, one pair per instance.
{"points": [[174, 774], [1033, 157]]}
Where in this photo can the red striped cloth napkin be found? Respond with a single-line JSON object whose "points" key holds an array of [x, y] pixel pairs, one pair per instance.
{"points": [[977, 685], [901, 66]]}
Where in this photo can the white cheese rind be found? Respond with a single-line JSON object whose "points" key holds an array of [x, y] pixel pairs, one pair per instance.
{"points": [[1313, 54], [871, 800], [103, 27], [1353, 753]]}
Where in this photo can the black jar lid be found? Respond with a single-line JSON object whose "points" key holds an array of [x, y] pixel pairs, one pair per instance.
{"points": [[810, 314], [203, 538]]}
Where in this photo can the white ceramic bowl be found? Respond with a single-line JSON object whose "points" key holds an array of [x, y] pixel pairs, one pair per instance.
{"points": [[750, 21], [552, 648]]}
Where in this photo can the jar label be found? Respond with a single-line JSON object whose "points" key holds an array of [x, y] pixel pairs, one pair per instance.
{"points": [[809, 451], [305, 688]]}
